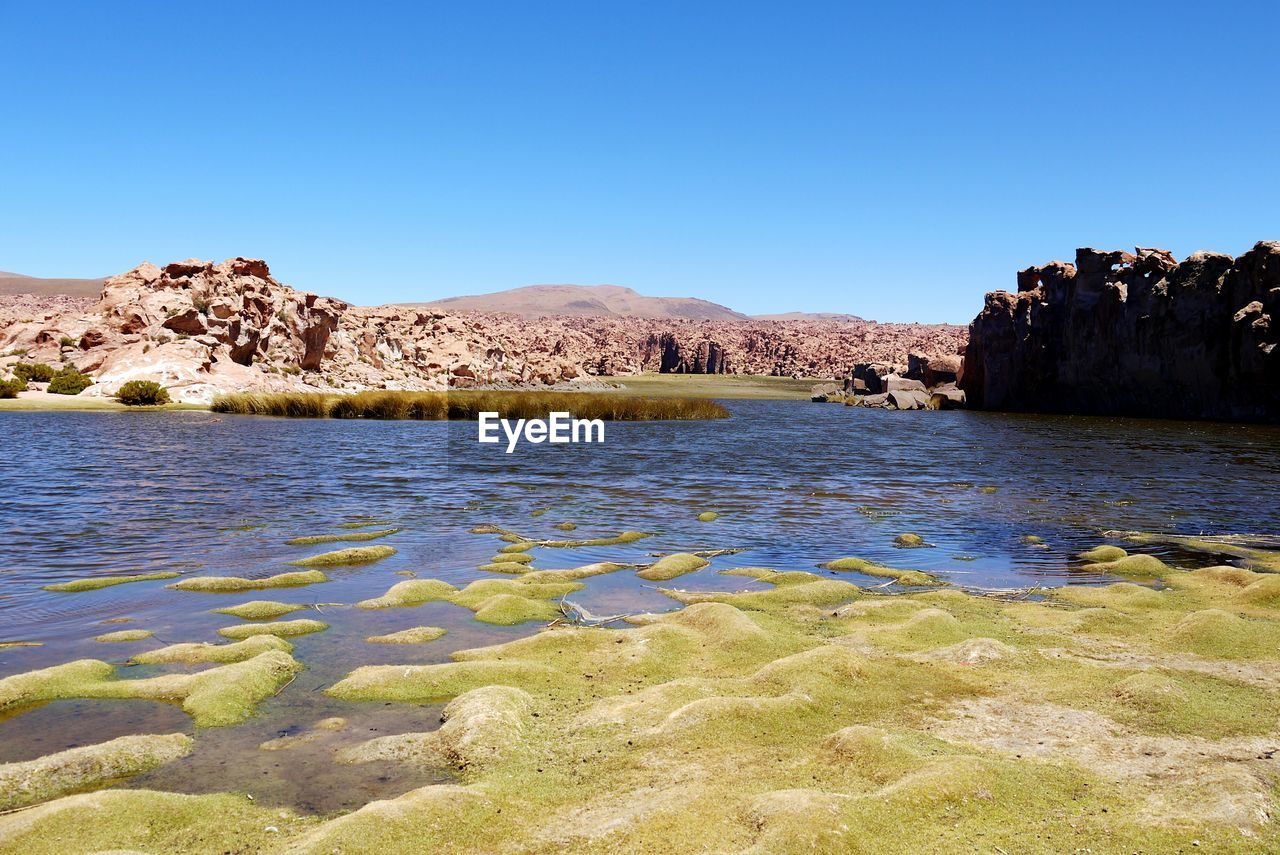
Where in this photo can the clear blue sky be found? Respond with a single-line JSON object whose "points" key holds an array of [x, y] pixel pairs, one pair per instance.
{"points": [[894, 161]]}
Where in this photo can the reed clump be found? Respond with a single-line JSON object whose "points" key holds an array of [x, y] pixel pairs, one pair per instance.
{"points": [[439, 406]]}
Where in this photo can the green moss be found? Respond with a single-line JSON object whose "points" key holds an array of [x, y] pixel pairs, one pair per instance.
{"points": [[199, 653], [1031, 540], [280, 629], [1223, 635], [124, 635], [708, 516], [1133, 566], [512, 558], [565, 526], [1264, 592], [1103, 554], [914, 578], [514, 548], [412, 592], [260, 610], [671, 566], [223, 695], [910, 540], [336, 538], [511, 609], [107, 582], [1122, 595], [413, 635], [78, 769], [231, 584], [363, 523], [505, 567], [344, 557]]}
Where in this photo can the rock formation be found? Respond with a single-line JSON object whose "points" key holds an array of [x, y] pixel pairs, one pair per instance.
{"points": [[1133, 334], [201, 329]]}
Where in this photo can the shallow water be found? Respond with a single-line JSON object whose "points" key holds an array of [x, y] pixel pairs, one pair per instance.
{"points": [[796, 484]]}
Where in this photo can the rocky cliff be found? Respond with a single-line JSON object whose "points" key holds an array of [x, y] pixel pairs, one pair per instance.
{"points": [[1133, 334], [201, 328]]}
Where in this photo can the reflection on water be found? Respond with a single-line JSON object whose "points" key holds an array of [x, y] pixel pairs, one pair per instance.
{"points": [[795, 484]]}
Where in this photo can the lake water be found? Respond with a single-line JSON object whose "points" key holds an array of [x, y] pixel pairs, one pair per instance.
{"points": [[795, 484]]}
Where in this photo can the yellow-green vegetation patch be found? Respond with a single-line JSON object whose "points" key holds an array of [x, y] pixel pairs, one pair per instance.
{"points": [[572, 574], [33, 781], [232, 584], [1031, 540], [363, 523], [514, 548], [223, 695], [512, 558], [807, 716], [308, 540], [1133, 566], [7, 645], [909, 540], [108, 581], [1103, 554], [344, 557], [708, 516], [513, 567], [497, 601], [786, 589], [280, 629], [124, 635], [565, 526], [260, 610], [200, 652], [1238, 546], [914, 578], [671, 566], [413, 635]]}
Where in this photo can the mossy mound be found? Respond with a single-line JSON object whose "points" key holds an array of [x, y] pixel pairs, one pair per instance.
{"points": [[480, 726], [1122, 595], [513, 548], [223, 695], [1031, 540], [280, 629], [1264, 592], [99, 582], [708, 516], [786, 589], [362, 523], [1103, 554], [1221, 634], [497, 601], [34, 781], [309, 540], [1133, 566], [413, 635], [511, 567], [909, 540], [910, 578], [565, 526], [347, 557], [123, 636], [232, 584], [198, 653], [671, 566], [260, 610], [512, 558]]}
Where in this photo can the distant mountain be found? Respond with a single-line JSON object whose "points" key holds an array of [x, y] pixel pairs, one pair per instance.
{"points": [[808, 316], [587, 301], [16, 283]]}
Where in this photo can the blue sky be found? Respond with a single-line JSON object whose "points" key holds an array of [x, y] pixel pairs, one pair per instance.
{"points": [[894, 161]]}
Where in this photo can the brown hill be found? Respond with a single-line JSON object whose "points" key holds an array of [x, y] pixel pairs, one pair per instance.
{"points": [[586, 301], [16, 283], [809, 316]]}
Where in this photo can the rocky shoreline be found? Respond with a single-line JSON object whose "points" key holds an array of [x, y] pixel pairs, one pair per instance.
{"points": [[201, 329]]}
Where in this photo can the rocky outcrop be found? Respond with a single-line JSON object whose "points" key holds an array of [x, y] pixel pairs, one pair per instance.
{"points": [[201, 329], [1134, 334]]}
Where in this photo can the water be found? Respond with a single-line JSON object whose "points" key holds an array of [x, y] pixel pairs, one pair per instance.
{"points": [[796, 484]]}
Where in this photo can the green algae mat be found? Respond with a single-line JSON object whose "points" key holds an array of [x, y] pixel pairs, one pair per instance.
{"points": [[804, 713]]}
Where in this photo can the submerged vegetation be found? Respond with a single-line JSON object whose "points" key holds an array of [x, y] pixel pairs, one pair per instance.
{"points": [[436, 406]]}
